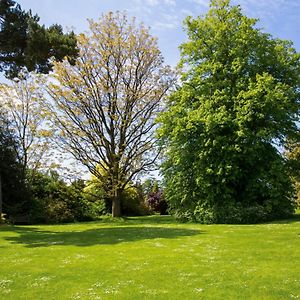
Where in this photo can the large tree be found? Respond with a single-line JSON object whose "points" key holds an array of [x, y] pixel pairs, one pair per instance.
{"points": [[26, 43], [105, 105], [225, 126]]}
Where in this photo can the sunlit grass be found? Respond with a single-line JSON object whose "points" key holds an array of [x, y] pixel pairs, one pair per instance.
{"points": [[150, 258]]}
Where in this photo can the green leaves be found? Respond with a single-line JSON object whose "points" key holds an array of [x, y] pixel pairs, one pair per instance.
{"points": [[26, 43], [239, 97]]}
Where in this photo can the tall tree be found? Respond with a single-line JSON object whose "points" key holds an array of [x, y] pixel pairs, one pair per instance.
{"points": [[14, 197], [26, 43], [21, 99], [105, 105], [224, 126]]}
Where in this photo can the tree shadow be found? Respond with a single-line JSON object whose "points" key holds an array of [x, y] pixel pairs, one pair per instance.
{"points": [[293, 219], [34, 237], [153, 219]]}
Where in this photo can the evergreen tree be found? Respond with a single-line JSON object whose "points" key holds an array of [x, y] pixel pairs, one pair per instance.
{"points": [[14, 194], [26, 43]]}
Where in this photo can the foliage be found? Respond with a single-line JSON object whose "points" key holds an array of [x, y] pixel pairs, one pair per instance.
{"points": [[132, 200], [56, 202], [95, 194], [26, 43], [157, 203], [153, 194], [150, 257], [15, 196], [104, 106], [3, 219], [293, 155], [21, 100], [238, 102]]}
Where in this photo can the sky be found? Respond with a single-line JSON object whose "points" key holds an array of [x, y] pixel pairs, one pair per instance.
{"points": [[281, 18]]}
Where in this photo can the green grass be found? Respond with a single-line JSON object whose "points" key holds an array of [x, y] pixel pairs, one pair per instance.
{"points": [[150, 258]]}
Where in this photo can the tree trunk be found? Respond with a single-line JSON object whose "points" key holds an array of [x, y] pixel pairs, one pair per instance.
{"points": [[116, 204]]}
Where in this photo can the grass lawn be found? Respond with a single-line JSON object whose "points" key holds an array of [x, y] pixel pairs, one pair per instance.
{"points": [[150, 258]]}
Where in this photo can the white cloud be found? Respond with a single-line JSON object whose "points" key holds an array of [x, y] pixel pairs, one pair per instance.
{"points": [[160, 2], [261, 8], [204, 3], [152, 2], [170, 2], [164, 25], [166, 21]]}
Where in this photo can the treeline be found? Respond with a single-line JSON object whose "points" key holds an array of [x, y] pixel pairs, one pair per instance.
{"points": [[33, 196], [224, 124]]}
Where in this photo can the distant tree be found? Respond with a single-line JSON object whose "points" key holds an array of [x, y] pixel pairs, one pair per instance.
{"points": [[154, 197], [238, 103], [105, 105], [147, 185], [21, 99], [26, 43], [14, 195]]}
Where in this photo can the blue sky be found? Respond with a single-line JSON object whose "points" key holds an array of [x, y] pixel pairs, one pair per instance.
{"points": [[281, 18]]}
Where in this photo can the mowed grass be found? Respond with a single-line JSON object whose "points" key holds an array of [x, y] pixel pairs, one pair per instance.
{"points": [[150, 258]]}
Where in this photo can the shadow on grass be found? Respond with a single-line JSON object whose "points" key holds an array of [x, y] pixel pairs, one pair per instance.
{"points": [[34, 237], [293, 219], [154, 219]]}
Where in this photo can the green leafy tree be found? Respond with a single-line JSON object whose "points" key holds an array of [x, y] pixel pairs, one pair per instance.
{"points": [[26, 43], [238, 101]]}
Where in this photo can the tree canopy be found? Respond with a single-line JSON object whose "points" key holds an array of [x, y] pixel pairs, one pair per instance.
{"points": [[225, 125], [105, 105], [26, 43], [21, 100]]}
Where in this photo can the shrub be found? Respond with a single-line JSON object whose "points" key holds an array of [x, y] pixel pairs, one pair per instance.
{"points": [[54, 201], [132, 202], [157, 203]]}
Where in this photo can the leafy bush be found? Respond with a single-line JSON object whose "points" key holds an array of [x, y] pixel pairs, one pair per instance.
{"points": [[132, 202], [157, 203], [54, 201]]}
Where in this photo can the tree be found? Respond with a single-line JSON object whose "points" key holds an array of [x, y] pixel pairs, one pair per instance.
{"points": [[21, 99], [14, 196], [224, 126], [105, 105], [26, 43], [293, 155]]}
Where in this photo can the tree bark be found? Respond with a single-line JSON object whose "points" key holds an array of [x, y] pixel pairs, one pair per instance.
{"points": [[116, 204]]}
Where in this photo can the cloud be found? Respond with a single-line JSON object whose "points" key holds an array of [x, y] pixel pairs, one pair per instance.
{"points": [[160, 2], [163, 25], [166, 21], [261, 9], [170, 2], [204, 3]]}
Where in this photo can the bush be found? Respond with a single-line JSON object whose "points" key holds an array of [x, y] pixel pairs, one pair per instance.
{"points": [[132, 202], [157, 203], [54, 201]]}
